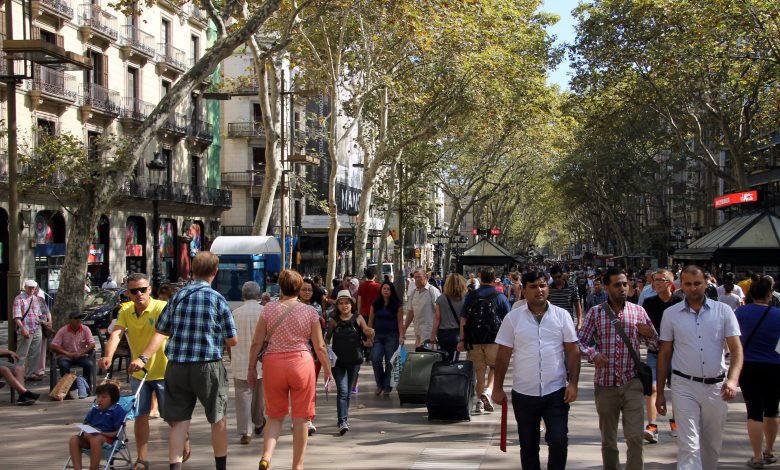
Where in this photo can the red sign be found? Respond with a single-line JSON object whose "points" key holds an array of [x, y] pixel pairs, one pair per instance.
{"points": [[736, 198], [475, 231], [495, 231]]}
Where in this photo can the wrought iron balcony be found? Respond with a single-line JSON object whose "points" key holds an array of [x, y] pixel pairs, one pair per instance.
{"points": [[171, 56], [135, 109], [58, 8], [236, 230], [53, 83], [138, 41], [238, 179], [179, 193], [100, 98], [176, 124], [196, 14], [200, 130], [246, 129], [98, 20]]}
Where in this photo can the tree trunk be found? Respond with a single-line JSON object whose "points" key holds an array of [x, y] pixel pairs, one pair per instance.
{"points": [[95, 200], [333, 210]]}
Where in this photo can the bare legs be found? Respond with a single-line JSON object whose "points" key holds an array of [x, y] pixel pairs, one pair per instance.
{"points": [[300, 439]]}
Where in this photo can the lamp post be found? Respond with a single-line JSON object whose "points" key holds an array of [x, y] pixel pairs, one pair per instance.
{"points": [[353, 214], [156, 167]]}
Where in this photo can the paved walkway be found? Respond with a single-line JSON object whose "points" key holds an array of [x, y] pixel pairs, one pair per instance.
{"points": [[382, 435]]}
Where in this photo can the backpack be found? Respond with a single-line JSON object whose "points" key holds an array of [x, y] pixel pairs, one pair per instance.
{"points": [[482, 322], [346, 342]]}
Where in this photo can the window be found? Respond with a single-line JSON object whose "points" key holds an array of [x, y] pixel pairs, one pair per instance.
{"points": [[92, 145], [194, 48], [167, 157], [165, 32], [132, 85], [99, 73], [46, 128], [194, 170], [166, 87]]}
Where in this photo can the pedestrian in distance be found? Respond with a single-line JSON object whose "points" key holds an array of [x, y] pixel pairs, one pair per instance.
{"points": [[618, 390], [420, 307], [28, 311], [386, 317], [541, 341], [344, 333], [306, 296], [693, 334], [198, 324], [564, 295], [285, 329], [760, 375]]}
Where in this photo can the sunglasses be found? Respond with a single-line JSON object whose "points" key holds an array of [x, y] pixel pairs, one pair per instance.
{"points": [[136, 290]]}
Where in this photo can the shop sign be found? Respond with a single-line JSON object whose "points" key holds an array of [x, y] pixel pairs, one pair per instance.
{"points": [[736, 198]]}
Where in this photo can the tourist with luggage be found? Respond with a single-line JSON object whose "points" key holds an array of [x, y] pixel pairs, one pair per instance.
{"points": [[386, 317], [420, 305], [542, 341], [344, 333], [446, 320]]}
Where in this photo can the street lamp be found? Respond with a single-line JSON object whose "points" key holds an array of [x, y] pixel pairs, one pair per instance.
{"points": [[353, 214], [156, 168]]}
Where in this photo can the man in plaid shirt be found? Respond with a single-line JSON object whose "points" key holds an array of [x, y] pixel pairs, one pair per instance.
{"points": [[617, 389]]}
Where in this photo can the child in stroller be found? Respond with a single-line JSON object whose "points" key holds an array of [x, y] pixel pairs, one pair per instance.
{"points": [[107, 418]]}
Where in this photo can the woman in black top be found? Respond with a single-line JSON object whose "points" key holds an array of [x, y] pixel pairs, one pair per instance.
{"points": [[386, 317]]}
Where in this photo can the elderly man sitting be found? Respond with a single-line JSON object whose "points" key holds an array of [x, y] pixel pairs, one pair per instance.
{"points": [[72, 343]]}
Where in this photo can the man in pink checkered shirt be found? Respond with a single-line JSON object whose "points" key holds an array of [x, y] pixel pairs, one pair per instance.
{"points": [[617, 387]]}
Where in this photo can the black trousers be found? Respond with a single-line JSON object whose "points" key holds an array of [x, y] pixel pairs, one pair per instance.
{"points": [[529, 410]]}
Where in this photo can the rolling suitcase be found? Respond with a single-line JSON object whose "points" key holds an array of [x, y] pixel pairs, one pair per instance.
{"points": [[416, 375], [451, 391]]}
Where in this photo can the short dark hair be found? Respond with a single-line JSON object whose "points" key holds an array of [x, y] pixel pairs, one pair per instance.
{"points": [[556, 270], [487, 275], [135, 277], [693, 270], [109, 388], [370, 272], [761, 288], [532, 276], [612, 271]]}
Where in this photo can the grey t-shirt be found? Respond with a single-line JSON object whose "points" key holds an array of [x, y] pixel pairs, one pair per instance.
{"points": [[448, 320]]}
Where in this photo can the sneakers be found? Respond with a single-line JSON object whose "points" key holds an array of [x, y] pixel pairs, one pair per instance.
{"points": [[479, 407], [355, 390], [312, 427], [27, 398], [486, 402], [672, 428], [343, 427], [651, 433]]}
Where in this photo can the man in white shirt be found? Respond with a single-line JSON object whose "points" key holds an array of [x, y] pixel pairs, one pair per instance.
{"points": [[421, 309], [693, 335], [541, 339], [249, 401]]}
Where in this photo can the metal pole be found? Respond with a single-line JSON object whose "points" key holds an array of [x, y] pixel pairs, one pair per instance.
{"points": [[155, 244], [14, 275], [354, 267], [282, 227]]}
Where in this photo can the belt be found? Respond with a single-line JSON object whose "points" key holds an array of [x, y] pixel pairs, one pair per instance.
{"points": [[704, 380]]}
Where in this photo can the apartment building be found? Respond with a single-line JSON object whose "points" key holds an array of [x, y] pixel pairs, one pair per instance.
{"points": [[136, 58]]}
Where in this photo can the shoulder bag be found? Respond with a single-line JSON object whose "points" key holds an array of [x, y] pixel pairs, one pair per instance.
{"points": [[276, 324], [755, 329], [643, 372]]}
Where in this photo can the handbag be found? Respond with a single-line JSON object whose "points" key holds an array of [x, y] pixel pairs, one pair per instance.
{"points": [[643, 372], [62, 387], [264, 348]]}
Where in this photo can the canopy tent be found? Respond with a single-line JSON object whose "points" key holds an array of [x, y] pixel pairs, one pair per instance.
{"points": [[245, 245], [487, 253], [751, 239]]}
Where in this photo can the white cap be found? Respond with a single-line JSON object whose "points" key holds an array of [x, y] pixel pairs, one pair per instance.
{"points": [[30, 283]]}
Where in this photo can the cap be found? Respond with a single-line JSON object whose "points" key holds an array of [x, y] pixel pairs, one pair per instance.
{"points": [[344, 294], [77, 315], [30, 283], [355, 282]]}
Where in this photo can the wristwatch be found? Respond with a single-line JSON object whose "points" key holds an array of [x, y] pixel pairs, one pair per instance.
{"points": [[143, 358]]}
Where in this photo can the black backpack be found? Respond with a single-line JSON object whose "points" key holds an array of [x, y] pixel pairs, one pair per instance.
{"points": [[346, 342], [482, 322]]}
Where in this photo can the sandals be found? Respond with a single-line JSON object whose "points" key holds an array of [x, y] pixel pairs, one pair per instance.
{"points": [[753, 463], [187, 449], [141, 463], [769, 457], [265, 463]]}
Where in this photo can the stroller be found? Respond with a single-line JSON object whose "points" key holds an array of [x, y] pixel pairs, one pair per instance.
{"points": [[117, 455]]}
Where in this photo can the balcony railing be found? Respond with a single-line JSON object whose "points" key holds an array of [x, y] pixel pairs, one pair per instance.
{"points": [[171, 56], [200, 130], [138, 110], [99, 20], [55, 83], [179, 192], [246, 129], [236, 230], [101, 98], [61, 7], [240, 179], [196, 13], [139, 40], [176, 123]]}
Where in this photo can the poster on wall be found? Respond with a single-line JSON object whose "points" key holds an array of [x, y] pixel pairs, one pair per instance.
{"points": [[43, 232], [95, 254], [166, 239], [195, 239], [132, 247]]}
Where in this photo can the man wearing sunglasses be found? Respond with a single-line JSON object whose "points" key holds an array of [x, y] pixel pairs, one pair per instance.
{"points": [[138, 318]]}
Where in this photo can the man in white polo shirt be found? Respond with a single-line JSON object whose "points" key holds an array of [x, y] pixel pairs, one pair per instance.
{"points": [[541, 339], [693, 333]]}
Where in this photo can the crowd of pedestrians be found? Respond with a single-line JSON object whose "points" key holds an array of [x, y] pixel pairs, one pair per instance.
{"points": [[703, 341]]}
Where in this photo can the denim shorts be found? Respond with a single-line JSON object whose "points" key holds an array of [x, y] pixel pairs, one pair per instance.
{"points": [[145, 397], [652, 361]]}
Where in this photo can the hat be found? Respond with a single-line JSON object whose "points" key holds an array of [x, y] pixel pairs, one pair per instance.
{"points": [[343, 294], [109, 279], [355, 282], [30, 283], [77, 315]]}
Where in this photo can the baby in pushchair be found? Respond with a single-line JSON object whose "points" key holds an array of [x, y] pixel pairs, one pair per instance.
{"points": [[103, 422]]}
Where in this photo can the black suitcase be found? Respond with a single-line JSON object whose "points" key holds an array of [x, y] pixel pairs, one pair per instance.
{"points": [[451, 391]]}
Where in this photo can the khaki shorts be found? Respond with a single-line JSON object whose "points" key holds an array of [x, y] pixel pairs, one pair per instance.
{"points": [[483, 355], [206, 382]]}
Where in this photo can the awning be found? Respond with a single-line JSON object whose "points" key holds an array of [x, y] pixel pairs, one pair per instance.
{"points": [[751, 238], [245, 245], [487, 253]]}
